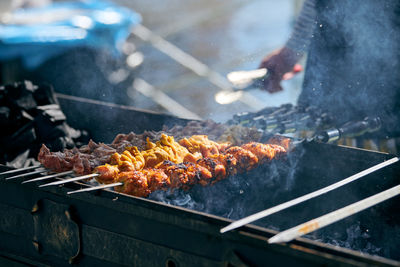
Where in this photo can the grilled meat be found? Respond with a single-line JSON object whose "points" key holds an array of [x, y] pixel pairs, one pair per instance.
{"points": [[201, 144], [165, 163], [95, 154], [185, 175], [107, 173], [264, 152], [156, 179], [83, 160], [165, 149], [220, 165], [133, 183], [246, 160], [143, 182], [207, 170]]}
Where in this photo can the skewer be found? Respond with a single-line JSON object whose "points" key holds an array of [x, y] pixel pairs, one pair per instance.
{"points": [[334, 216], [306, 197], [48, 177], [95, 188], [71, 180], [27, 174], [19, 170]]}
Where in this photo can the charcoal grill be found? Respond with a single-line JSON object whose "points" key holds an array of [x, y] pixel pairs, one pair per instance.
{"points": [[44, 226]]}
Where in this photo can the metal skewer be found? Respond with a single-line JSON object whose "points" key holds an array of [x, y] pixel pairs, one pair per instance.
{"points": [[71, 180], [306, 197], [48, 177], [19, 170], [334, 216], [95, 188], [27, 174]]}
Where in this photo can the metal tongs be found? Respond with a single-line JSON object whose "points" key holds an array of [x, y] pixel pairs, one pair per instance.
{"points": [[246, 80], [241, 81]]}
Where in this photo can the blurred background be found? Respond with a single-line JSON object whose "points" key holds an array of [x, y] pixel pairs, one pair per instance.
{"points": [[167, 56]]}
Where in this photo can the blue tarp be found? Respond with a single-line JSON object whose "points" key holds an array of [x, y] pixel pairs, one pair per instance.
{"points": [[36, 34]]}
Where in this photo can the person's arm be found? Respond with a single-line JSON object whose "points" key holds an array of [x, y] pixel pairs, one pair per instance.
{"points": [[283, 60]]}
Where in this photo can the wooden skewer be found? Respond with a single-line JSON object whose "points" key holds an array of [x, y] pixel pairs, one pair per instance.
{"points": [[27, 174], [293, 202], [48, 177], [19, 170], [95, 188], [71, 180], [334, 216]]}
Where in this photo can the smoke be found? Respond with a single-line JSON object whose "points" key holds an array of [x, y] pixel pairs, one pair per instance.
{"points": [[353, 69], [372, 35], [355, 237], [85, 72], [303, 171], [241, 195]]}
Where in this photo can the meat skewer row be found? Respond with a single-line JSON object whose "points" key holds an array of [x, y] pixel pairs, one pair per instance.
{"points": [[205, 171], [85, 159], [188, 150], [161, 165]]}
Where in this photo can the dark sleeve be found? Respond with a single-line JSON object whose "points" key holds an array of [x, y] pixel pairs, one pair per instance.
{"points": [[303, 30]]}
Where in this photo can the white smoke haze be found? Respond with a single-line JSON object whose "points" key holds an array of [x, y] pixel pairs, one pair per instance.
{"points": [[356, 72]]}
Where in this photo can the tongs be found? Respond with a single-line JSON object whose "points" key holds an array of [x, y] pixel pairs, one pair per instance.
{"points": [[241, 81], [246, 80]]}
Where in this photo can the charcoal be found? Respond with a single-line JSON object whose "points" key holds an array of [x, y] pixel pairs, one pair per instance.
{"points": [[30, 116], [80, 137], [27, 85], [44, 95], [59, 143], [19, 141], [21, 161], [5, 115], [27, 116], [73, 133], [2, 96], [48, 126], [52, 112], [26, 102], [20, 96], [17, 120]]}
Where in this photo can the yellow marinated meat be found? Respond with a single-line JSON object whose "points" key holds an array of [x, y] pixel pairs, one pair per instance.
{"points": [[129, 160], [201, 144], [164, 149]]}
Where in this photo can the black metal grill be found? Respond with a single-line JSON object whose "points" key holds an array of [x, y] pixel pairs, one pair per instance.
{"points": [[45, 226]]}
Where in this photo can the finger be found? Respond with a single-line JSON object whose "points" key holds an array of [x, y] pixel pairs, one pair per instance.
{"points": [[263, 64], [297, 68], [289, 75], [276, 87], [272, 85]]}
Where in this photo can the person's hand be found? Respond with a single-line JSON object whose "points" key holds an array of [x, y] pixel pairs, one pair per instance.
{"points": [[281, 65]]}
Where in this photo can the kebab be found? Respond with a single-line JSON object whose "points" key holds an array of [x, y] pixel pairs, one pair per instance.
{"points": [[169, 164], [160, 175]]}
